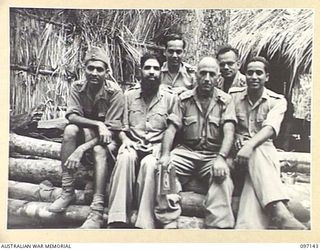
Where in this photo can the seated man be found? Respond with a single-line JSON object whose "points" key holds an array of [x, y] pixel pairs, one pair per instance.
{"points": [[95, 109], [259, 113], [207, 115], [147, 111]]}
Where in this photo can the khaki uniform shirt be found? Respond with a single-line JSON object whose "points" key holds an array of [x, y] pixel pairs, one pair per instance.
{"points": [[147, 124], [106, 106], [238, 81], [184, 78], [204, 131], [267, 111]]}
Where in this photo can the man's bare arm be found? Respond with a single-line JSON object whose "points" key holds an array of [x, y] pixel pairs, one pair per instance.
{"points": [[73, 161], [245, 152], [220, 168], [167, 143], [104, 133]]}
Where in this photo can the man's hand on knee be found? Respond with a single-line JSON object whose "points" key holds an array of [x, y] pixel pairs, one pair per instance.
{"points": [[129, 144], [74, 160], [104, 133], [220, 170], [244, 155]]}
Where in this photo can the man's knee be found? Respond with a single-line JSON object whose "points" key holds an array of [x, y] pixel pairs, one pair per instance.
{"points": [[99, 151], [149, 163], [71, 131], [127, 155]]}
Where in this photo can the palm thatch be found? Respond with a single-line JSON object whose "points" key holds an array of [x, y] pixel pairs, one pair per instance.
{"points": [[47, 47], [282, 34]]}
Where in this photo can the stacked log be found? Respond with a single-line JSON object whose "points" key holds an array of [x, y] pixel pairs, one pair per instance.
{"points": [[35, 181]]}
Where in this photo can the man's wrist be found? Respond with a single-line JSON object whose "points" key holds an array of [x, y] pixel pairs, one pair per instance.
{"points": [[222, 155]]}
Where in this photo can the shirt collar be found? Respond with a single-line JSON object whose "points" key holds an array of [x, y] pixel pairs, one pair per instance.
{"points": [[100, 94], [215, 94], [139, 92], [182, 68], [265, 94]]}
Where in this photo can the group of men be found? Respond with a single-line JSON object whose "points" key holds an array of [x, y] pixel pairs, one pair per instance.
{"points": [[177, 123]]}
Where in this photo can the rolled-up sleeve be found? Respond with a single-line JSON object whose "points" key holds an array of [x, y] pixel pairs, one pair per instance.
{"points": [[175, 115], [229, 114], [275, 116], [114, 113], [73, 103]]}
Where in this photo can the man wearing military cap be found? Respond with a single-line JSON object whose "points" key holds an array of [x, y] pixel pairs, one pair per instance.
{"points": [[95, 108], [259, 111], [175, 73]]}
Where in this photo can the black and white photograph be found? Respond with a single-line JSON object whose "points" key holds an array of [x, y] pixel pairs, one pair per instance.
{"points": [[160, 119]]}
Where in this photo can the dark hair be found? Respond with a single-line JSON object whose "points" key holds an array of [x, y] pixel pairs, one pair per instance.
{"points": [[172, 37], [148, 56], [227, 48], [259, 59]]}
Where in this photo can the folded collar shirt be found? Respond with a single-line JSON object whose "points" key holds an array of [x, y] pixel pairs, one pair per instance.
{"points": [[184, 78], [147, 124], [204, 131], [106, 105], [238, 81], [269, 110]]}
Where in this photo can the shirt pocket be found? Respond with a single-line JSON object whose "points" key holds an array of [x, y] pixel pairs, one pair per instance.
{"points": [[214, 128], [260, 119], [158, 119], [136, 116], [191, 129]]}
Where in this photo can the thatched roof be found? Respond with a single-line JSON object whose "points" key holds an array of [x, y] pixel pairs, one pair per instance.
{"points": [[285, 33]]}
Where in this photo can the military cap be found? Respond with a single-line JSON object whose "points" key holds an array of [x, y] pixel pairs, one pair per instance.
{"points": [[96, 54]]}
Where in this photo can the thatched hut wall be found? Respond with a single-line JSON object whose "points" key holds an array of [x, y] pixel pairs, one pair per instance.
{"points": [[48, 45]]}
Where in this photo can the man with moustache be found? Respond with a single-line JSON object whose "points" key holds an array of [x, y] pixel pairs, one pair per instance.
{"points": [[175, 73], [228, 58], [208, 119], [259, 114], [148, 109], [95, 108]]}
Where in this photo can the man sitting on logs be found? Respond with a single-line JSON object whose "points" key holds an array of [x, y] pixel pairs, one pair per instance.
{"points": [[259, 114], [208, 120], [174, 72], [148, 109], [95, 109]]}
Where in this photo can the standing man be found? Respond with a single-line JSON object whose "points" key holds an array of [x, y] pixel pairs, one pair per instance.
{"points": [[148, 109], [95, 108], [228, 58], [259, 113], [208, 120], [174, 72]]}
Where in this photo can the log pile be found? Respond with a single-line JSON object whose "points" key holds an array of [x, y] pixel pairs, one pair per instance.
{"points": [[35, 181]]}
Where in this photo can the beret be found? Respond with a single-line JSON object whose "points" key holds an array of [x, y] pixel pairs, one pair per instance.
{"points": [[96, 54]]}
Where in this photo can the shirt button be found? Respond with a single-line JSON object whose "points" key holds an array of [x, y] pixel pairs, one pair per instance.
{"points": [[147, 132]]}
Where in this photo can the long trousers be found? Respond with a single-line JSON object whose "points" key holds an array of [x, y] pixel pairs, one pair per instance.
{"points": [[262, 186], [189, 163]]}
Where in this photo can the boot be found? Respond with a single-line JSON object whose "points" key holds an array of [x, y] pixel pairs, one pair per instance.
{"points": [[287, 223], [282, 218], [67, 196], [95, 218]]}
